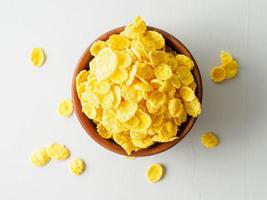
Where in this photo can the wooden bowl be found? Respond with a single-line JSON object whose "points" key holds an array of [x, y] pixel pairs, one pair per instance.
{"points": [[89, 126]]}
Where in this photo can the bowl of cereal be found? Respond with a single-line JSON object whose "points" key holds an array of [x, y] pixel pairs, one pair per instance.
{"points": [[137, 90]]}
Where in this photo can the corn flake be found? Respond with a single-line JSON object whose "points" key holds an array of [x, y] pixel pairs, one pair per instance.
{"points": [[231, 69], [154, 173], [193, 108], [217, 74], [185, 75], [103, 132], [141, 139], [184, 61], [97, 47], [225, 57], [40, 158], [58, 151], [187, 93], [118, 42], [175, 107], [126, 110], [65, 108], [209, 140], [163, 72], [77, 166], [37, 57], [105, 64], [125, 142]]}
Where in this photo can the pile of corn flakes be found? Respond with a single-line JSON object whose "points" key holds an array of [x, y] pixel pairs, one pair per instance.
{"points": [[57, 151], [137, 90], [227, 70]]}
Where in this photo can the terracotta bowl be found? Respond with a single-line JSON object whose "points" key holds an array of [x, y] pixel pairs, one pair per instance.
{"points": [[89, 126]]}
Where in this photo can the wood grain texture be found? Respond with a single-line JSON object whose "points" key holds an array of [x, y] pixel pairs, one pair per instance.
{"points": [[89, 126]]}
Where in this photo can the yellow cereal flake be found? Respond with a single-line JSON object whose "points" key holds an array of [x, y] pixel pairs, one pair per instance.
{"points": [[105, 63], [117, 96], [107, 100], [132, 122], [225, 57], [163, 72], [175, 81], [185, 75], [65, 108], [126, 110], [125, 142], [81, 77], [119, 76], [157, 57], [141, 139], [209, 140], [133, 29], [154, 172], [145, 71], [97, 47], [193, 108], [175, 107], [231, 69], [37, 57], [138, 91], [103, 132], [89, 110], [167, 132], [124, 59], [184, 61], [144, 120], [58, 151], [151, 40], [118, 42], [217, 74], [77, 166], [40, 158], [187, 93]]}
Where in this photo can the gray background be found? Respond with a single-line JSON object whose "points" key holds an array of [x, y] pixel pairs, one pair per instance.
{"points": [[235, 110]]}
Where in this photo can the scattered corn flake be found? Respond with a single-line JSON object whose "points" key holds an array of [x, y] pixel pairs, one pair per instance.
{"points": [[65, 108], [231, 69], [58, 151], [217, 74], [40, 158], [209, 140], [97, 47], [154, 172], [37, 57], [77, 166], [225, 57]]}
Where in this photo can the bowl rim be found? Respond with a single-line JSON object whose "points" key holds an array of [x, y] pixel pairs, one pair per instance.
{"points": [[109, 144]]}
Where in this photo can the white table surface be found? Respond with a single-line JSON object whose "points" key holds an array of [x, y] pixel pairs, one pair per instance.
{"points": [[235, 110]]}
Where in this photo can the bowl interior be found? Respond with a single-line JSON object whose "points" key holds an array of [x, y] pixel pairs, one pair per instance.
{"points": [[89, 126]]}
